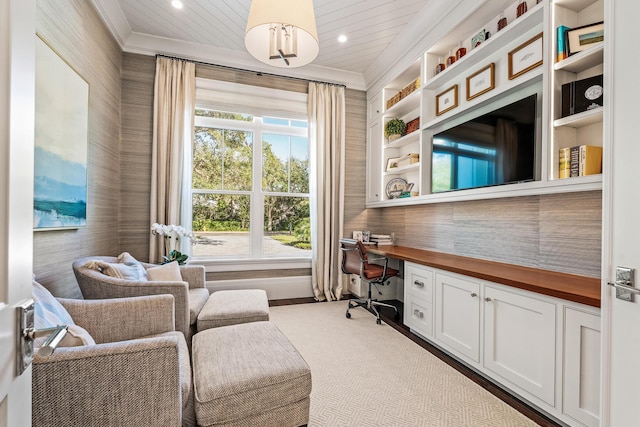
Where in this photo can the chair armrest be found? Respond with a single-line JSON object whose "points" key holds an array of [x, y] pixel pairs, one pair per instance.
{"points": [[99, 286], [117, 384], [379, 258], [122, 319], [194, 275]]}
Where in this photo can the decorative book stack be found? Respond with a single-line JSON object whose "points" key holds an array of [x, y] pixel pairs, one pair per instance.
{"points": [[382, 239], [580, 160]]}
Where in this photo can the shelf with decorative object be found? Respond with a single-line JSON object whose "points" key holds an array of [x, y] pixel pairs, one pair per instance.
{"points": [[408, 139], [582, 61], [405, 105], [402, 169], [578, 120], [397, 91], [517, 28]]}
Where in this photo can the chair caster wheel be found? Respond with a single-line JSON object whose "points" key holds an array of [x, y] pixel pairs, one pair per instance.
{"points": [[379, 322], [348, 315]]}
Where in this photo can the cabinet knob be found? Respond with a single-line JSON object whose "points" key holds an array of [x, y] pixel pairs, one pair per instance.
{"points": [[473, 295], [418, 313], [487, 299], [418, 283]]}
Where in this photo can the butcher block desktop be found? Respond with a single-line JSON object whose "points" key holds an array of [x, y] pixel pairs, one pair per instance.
{"points": [[571, 287]]}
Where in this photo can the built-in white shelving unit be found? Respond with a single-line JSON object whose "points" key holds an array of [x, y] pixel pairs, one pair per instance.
{"points": [[556, 131], [583, 128]]}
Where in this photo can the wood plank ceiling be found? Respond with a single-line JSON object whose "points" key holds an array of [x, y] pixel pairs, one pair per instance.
{"points": [[370, 25]]}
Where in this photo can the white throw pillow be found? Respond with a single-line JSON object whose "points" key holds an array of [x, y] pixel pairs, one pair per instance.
{"points": [[49, 313], [127, 259], [169, 272], [117, 270]]}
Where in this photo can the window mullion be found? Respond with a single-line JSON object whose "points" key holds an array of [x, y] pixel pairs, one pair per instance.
{"points": [[257, 198]]}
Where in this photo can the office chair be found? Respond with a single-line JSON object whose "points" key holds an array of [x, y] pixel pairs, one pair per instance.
{"points": [[355, 261]]}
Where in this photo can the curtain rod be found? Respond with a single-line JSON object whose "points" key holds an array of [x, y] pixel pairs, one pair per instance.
{"points": [[259, 73]]}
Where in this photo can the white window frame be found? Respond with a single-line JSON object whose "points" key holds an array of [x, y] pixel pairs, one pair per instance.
{"points": [[245, 99]]}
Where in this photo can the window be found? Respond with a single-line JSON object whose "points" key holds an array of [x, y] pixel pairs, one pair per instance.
{"points": [[250, 186]]}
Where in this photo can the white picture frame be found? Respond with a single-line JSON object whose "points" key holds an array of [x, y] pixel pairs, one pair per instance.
{"points": [[480, 82], [447, 100], [526, 57]]}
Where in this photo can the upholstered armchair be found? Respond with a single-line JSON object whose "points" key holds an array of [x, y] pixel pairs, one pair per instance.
{"points": [[134, 371], [190, 293]]}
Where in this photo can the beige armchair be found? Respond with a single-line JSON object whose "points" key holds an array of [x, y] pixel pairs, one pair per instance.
{"points": [[190, 294], [137, 373]]}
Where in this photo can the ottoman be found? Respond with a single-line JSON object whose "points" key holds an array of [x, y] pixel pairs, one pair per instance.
{"points": [[249, 375], [225, 308]]}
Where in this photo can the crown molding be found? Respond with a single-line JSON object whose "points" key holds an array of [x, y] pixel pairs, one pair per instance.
{"points": [[113, 17], [129, 41], [152, 45], [416, 38]]}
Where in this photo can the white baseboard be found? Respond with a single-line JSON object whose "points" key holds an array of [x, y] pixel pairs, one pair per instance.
{"points": [[276, 288]]}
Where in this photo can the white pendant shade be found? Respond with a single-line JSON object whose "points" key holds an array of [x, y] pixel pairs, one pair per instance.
{"points": [[298, 46]]}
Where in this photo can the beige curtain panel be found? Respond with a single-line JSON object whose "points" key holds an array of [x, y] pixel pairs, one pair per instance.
{"points": [[327, 140], [173, 115]]}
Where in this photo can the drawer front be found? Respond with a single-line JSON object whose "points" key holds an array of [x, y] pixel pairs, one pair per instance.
{"points": [[419, 282], [418, 315]]}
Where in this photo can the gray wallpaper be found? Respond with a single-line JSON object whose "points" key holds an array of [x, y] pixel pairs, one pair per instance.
{"points": [[560, 232], [73, 29]]}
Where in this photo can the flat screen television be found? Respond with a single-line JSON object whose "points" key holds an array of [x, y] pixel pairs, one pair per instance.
{"points": [[494, 148]]}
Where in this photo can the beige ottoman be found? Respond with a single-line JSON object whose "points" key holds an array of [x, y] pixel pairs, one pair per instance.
{"points": [[224, 308], [249, 375]]}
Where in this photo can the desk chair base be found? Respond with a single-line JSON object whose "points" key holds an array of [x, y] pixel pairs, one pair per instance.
{"points": [[370, 304]]}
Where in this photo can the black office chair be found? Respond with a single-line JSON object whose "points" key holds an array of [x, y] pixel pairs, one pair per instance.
{"points": [[355, 261]]}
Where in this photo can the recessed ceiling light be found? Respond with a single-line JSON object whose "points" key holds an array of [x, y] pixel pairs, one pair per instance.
{"points": [[342, 38], [177, 4]]}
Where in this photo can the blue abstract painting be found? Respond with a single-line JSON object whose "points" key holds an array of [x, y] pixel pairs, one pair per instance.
{"points": [[61, 129]]}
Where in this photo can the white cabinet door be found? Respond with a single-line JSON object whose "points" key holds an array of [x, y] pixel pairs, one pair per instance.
{"points": [[581, 393], [375, 107], [374, 162], [519, 341], [457, 308]]}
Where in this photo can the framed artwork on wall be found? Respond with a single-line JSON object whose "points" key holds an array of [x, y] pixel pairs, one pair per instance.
{"points": [[447, 100], [481, 81], [61, 132], [525, 57]]}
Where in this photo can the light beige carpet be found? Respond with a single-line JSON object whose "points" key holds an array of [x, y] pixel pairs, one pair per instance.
{"points": [[366, 374]]}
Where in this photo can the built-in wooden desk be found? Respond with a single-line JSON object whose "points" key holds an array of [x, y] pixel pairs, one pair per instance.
{"points": [[581, 289]]}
